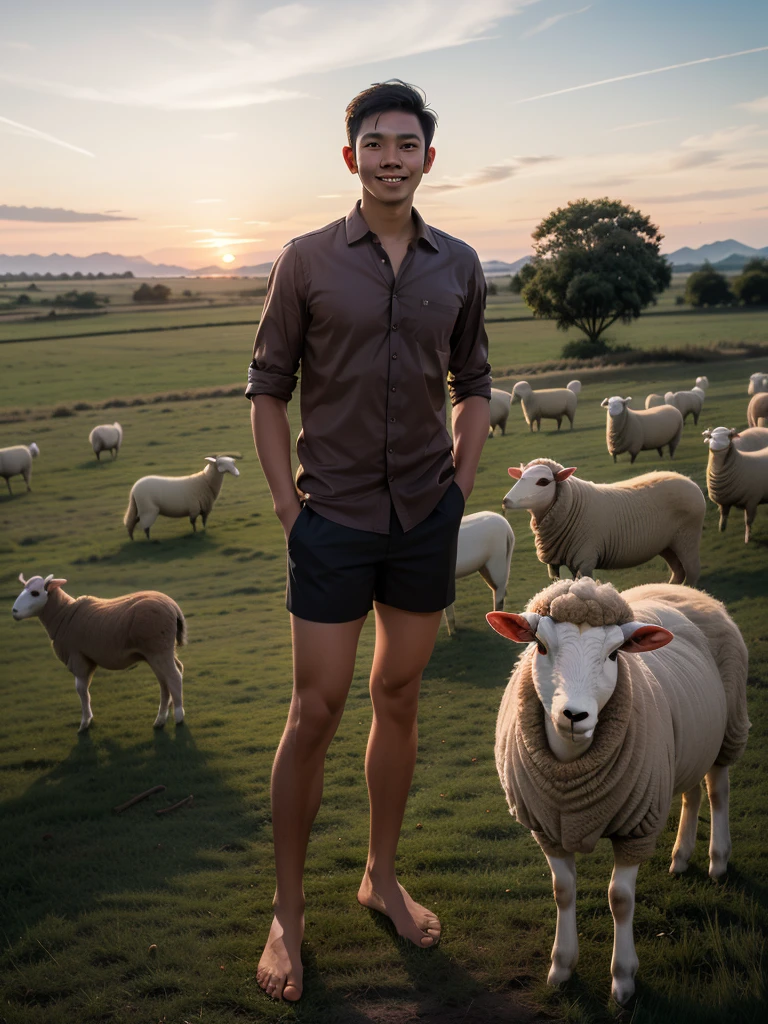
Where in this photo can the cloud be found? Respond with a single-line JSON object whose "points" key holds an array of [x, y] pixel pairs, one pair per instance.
{"points": [[643, 124], [695, 158], [750, 165], [223, 242], [220, 136], [758, 106], [489, 175], [47, 215], [553, 19], [642, 74], [15, 45], [34, 133], [244, 66], [722, 193]]}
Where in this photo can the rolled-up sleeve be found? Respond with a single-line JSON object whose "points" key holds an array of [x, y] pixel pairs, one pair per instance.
{"points": [[279, 342], [469, 372]]}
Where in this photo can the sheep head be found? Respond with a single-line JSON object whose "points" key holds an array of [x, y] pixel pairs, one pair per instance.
{"points": [[520, 391], [34, 451], [224, 463], [719, 438], [575, 663], [536, 486], [615, 404], [34, 596]]}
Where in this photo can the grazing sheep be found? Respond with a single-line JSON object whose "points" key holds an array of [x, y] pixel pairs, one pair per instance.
{"points": [[758, 382], [499, 410], [107, 437], [486, 543], [602, 723], [634, 431], [547, 403], [688, 402], [178, 496], [757, 410], [17, 461], [588, 526], [653, 400], [92, 632], [735, 478], [750, 440]]}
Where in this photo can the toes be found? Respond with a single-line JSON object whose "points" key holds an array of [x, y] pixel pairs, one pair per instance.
{"points": [[427, 940], [291, 992]]}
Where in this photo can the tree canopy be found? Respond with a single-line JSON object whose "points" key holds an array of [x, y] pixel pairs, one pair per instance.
{"points": [[708, 287], [751, 286], [596, 262], [151, 293]]}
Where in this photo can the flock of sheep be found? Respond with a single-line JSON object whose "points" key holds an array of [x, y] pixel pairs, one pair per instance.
{"points": [[566, 780]]}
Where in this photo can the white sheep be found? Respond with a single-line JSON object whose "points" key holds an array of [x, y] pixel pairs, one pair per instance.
{"points": [[486, 543], [499, 410], [587, 526], [653, 400], [757, 410], [178, 496], [107, 437], [92, 632], [750, 440], [633, 431], [17, 461], [735, 478], [688, 402], [758, 382], [547, 403], [602, 723]]}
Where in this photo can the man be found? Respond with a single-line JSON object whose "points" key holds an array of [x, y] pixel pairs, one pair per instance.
{"points": [[377, 309]]}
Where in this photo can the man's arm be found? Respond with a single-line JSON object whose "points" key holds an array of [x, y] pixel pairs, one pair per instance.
{"points": [[272, 437], [471, 422]]}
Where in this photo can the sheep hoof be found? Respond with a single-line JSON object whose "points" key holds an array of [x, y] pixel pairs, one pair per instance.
{"points": [[622, 990], [159, 723], [85, 725], [679, 865], [558, 975], [718, 866], [178, 716]]}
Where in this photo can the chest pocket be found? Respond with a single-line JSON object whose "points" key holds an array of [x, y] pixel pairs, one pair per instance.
{"points": [[433, 322]]}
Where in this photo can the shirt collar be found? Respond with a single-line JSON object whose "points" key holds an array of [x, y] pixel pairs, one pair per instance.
{"points": [[356, 228]]}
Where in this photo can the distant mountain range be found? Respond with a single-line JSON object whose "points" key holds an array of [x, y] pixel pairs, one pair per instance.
{"points": [[727, 255]]}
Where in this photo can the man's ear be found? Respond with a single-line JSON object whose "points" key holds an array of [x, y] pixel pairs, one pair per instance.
{"points": [[349, 159], [430, 159], [641, 638], [517, 628]]}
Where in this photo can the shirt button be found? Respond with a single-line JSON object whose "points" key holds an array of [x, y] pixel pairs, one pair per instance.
{"points": [[394, 355], [392, 419], [383, 260], [394, 327], [390, 450], [391, 479], [394, 389]]}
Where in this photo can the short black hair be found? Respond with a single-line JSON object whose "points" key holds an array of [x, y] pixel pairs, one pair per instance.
{"points": [[394, 94]]}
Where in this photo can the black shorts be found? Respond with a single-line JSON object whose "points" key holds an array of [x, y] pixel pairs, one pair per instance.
{"points": [[335, 573]]}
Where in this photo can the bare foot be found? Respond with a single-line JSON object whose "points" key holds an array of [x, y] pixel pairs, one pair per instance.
{"points": [[280, 972], [411, 920]]}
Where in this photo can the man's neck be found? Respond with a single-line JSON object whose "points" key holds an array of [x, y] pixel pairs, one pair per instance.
{"points": [[391, 222]]}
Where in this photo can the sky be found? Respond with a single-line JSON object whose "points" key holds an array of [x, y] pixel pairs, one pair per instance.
{"points": [[189, 130]]}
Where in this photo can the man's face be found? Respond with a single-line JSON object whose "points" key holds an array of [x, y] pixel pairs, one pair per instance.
{"points": [[389, 156]]}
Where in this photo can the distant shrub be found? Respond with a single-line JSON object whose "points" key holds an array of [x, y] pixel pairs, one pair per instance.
{"points": [[679, 300], [589, 348], [493, 288], [82, 406], [61, 411], [151, 293], [708, 287], [751, 286]]}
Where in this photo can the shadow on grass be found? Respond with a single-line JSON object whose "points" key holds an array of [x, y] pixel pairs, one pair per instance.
{"points": [[154, 550], [733, 584], [65, 848], [474, 656], [95, 463]]}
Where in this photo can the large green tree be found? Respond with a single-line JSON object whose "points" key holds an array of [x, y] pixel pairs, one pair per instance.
{"points": [[708, 287], [596, 261], [751, 286]]}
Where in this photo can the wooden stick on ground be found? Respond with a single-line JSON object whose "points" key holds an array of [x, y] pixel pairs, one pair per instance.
{"points": [[137, 799], [187, 801]]}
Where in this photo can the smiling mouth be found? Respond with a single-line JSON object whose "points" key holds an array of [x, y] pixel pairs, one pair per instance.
{"points": [[391, 180]]}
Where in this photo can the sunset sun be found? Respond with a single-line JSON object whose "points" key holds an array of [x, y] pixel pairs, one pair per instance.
{"points": [[228, 258]]}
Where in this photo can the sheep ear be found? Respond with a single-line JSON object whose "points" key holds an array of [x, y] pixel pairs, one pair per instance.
{"points": [[604, 404], [706, 433], [209, 458], [565, 473], [514, 627], [733, 433], [52, 584], [626, 401], [515, 472], [639, 637], [21, 579]]}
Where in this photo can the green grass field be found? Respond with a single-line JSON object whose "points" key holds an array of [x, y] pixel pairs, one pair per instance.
{"points": [[84, 893]]}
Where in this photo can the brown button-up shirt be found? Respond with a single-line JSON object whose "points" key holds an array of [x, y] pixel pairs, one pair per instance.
{"points": [[375, 351]]}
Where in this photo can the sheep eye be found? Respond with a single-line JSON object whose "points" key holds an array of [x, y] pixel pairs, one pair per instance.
{"points": [[542, 481], [541, 648], [35, 593], [614, 655]]}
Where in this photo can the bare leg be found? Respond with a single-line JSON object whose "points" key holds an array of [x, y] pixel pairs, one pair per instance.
{"points": [[686, 832], [718, 789], [621, 896], [323, 663], [565, 951], [82, 682], [404, 642]]}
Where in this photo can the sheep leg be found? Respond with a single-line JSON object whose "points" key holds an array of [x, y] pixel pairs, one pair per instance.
{"points": [[674, 563], [624, 963], [559, 421], [686, 832], [614, 456], [169, 675], [691, 564], [724, 510], [82, 684], [632, 457], [8, 485], [749, 518], [718, 789], [192, 520], [553, 571], [450, 619], [165, 702], [204, 517], [565, 951], [661, 452], [98, 455], [503, 426]]}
